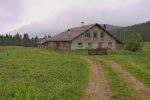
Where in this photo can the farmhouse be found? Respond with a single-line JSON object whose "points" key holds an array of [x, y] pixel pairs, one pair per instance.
{"points": [[84, 37]]}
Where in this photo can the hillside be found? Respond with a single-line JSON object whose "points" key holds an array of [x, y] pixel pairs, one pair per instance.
{"points": [[143, 29]]}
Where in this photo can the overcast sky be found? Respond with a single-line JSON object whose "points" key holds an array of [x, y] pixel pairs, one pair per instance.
{"points": [[39, 17]]}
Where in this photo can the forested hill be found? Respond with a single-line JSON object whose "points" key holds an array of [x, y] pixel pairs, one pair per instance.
{"points": [[111, 27], [143, 29]]}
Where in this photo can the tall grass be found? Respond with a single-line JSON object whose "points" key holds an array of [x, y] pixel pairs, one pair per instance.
{"points": [[39, 74]]}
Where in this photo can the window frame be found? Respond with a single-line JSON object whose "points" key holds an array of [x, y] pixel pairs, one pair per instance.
{"points": [[95, 34], [80, 45], [100, 43], [87, 34], [110, 44], [90, 45], [102, 35]]}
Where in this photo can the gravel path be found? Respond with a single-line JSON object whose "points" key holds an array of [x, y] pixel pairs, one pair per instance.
{"points": [[97, 88]]}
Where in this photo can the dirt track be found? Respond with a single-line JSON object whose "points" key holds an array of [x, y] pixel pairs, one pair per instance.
{"points": [[97, 88], [139, 86]]}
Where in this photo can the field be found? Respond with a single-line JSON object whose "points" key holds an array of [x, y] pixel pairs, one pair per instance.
{"points": [[35, 74], [40, 74]]}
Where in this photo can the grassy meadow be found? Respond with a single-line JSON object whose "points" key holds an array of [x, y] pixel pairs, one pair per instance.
{"points": [[138, 64], [40, 74]]}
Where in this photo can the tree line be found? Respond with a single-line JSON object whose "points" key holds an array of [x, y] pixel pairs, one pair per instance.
{"points": [[18, 40]]}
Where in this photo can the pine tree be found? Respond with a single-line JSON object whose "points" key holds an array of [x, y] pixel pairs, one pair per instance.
{"points": [[35, 41], [17, 40], [26, 40]]}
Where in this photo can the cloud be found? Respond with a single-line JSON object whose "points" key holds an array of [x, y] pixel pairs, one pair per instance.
{"points": [[11, 13], [44, 17]]}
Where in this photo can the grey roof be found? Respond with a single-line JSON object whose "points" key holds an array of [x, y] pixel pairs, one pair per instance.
{"points": [[42, 40], [73, 33], [70, 34]]}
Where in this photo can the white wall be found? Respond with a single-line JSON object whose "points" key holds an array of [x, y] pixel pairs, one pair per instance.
{"points": [[95, 41]]}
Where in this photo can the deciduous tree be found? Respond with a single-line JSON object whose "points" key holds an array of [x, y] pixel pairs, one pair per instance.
{"points": [[133, 42]]}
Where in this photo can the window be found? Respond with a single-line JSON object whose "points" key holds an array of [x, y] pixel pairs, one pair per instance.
{"points": [[100, 43], [102, 35], [95, 35], [106, 36], [87, 35], [89, 45], [67, 46], [64, 45], [54, 43], [80, 45], [110, 44]]}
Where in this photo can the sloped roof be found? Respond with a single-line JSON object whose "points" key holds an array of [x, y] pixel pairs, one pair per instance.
{"points": [[70, 34], [73, 33], [42, 40]]}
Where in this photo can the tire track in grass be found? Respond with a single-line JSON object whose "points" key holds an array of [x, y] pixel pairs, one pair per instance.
{"points": [[139, 86], [97, 88], [120, 87]]}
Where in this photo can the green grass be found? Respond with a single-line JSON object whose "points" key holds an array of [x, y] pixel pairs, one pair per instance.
{"points": [[40, 74], [120, 87], [137, 64], [80, 52]]}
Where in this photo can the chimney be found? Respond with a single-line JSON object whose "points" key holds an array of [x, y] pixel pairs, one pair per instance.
{"points": [[82, 24], [68, 32], [49, 36], [105, 26]]}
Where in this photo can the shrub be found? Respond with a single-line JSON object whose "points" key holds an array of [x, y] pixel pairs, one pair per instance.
{"points": [[133, 43]]}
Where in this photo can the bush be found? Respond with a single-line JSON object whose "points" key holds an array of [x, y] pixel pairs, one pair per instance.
{"points": [[133, 43]]}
